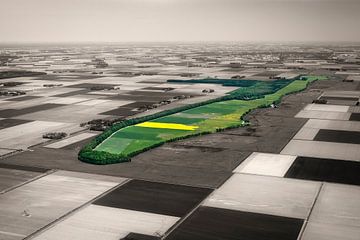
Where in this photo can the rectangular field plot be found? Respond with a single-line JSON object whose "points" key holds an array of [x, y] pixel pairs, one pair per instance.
{"points": [[10, 178], [91, 85], [313, 126], [66, 100], [13, 175], [208, 223], [342, 151], [337, 204], [5, 123], [342, 102], [348, 98], [323, 115], [24, 98], [354, 94], [107, 223], [355, 117], [47, 199], [71, 140], [324, 231], [266, 164], [266, 195], [121, 111], [9, 113], [24, 168], [27, 134], [333, 125], [338, 100], [326, 107], [306, 133], [70, 113], [159, 198], [72, 92], [328, 170], [94, 102], [338, 136]]}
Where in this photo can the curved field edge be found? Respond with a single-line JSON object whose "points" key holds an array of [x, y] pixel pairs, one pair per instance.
{"points": [[254, 100]]}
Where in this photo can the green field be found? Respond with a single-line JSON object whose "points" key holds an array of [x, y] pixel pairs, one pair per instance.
{"points": [[227, 112]]}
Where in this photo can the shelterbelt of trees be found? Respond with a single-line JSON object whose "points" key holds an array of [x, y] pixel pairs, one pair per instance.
{"points": [[251, 94]]}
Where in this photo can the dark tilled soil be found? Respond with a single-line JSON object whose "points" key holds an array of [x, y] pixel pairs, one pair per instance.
{"points": [[327, 170], [159, 198], [208, 223], [338, 136]]}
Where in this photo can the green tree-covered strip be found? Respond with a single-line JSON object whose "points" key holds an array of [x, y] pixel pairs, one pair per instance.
{"points": [[222, 113]]}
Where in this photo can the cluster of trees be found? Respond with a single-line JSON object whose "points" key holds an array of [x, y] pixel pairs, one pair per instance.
{"points": [[101, 87], [10, 84], [88, 154], [52, 85], [54, 135], [101, 157], [11, 93]]}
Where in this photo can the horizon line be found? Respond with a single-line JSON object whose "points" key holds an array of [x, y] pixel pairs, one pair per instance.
{"points": [[182, 42]]}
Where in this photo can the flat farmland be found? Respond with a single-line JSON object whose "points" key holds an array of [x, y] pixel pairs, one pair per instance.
{"points": [[208, 118]]}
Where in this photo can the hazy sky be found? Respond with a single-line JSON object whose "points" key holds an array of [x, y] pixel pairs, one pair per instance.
{"points": [[179, 20]]}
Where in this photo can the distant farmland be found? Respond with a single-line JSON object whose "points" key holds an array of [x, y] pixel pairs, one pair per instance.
{"points": [[129, 138]]}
